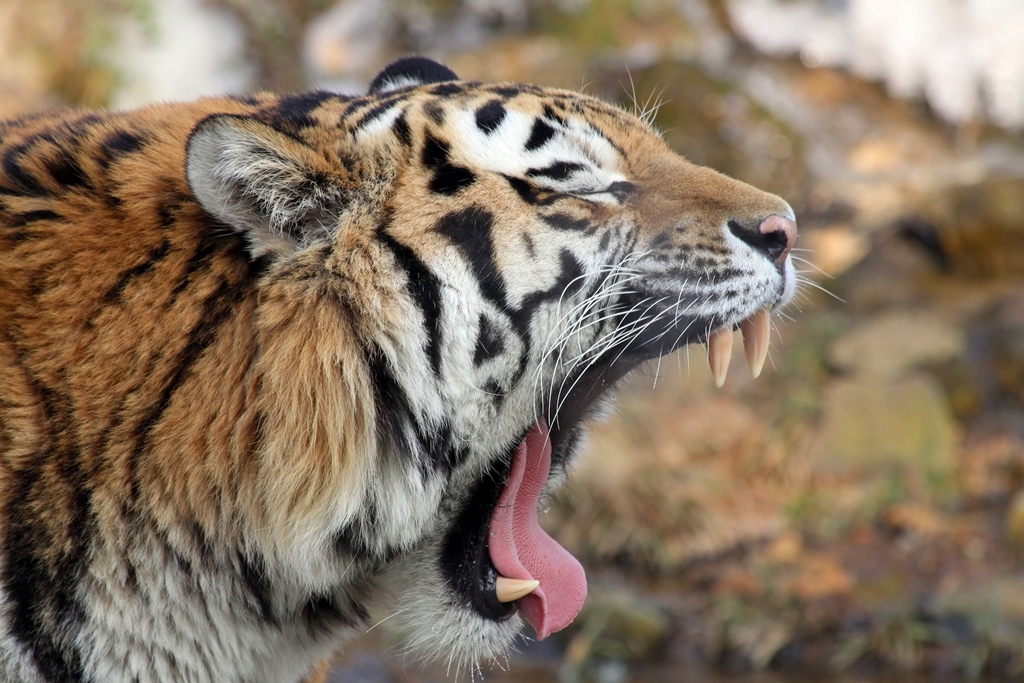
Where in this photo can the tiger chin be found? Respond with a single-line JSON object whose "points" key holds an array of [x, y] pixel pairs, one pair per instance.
{"points": [[270, 364]]}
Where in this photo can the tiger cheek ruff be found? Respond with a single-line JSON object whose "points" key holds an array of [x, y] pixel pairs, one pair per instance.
{"points": [[271, 364]]}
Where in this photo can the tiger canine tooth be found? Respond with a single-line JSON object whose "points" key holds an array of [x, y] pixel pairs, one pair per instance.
{"points": [[512, 589], [756, 334], [719, 354]]}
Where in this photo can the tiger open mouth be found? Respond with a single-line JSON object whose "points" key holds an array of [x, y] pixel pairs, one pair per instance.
{"points": [[497, 557]]}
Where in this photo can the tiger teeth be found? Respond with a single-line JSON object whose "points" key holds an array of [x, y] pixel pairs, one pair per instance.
{"points": [[719, 354], [512, 589], [756, 334]]}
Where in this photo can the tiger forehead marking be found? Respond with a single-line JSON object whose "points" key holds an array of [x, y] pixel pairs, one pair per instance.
{"points": [[266, 361]]}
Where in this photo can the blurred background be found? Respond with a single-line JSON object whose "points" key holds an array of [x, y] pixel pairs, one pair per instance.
{"points": [[857, 513]]}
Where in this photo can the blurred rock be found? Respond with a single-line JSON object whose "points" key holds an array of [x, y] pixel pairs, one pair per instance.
{"points": [[871, 422], [750, 631], [787, 568], [614, 628], [951, 53], [361, 667], [895, 343], [632, 627], [1015, 521], [185, 49], [894, 276], [966, 388], [1008, 345], [921, 520], [668, 481], [350, 40], [785, 548], [52, 52], [819, 576], [979, 225], [834, 249], [997, 598]]}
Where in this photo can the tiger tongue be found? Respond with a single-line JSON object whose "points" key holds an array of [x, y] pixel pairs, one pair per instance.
{"points": [[520, 549]]}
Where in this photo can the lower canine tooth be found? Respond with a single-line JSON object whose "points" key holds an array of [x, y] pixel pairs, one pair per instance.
{"points": [[756, 334], [719, 354], [513, 589]]}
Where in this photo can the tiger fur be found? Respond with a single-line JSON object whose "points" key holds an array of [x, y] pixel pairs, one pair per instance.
{"points": [[265, 361]]}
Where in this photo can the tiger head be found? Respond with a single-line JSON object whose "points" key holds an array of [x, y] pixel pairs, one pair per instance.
{"points": [[481, 263]]}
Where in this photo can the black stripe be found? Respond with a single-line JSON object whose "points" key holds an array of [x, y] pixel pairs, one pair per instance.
{"points": [[550, 113], [493, 389], [80, 124], [541, 132], [66, 170], [216, 310], [294, 113], [510, 91], [394, 418], [531, 248], [19, 219], [386, 104], [425, 289], [117, 144], [19, 236], [322, 614], [559, 170], [351, 540], [435, 112], [152, 258], [621, 189], [568, 282], [27, 184], [439, 447], [470, 230], [435, 153], [352, 106], [358, 610], [449, 88], [490, 116], [172, 201], [397, 420], [253, 572], [489, 342], [43, 565], [231, 246], [563, 221], [448, 178], [401, 130], [248, 100], [531, 194]]}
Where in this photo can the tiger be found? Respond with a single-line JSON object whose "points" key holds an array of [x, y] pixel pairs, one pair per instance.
{"points": [[272, 364]]}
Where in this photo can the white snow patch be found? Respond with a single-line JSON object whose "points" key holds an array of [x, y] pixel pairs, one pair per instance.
{"points": [[965, 57], [186, 51]]}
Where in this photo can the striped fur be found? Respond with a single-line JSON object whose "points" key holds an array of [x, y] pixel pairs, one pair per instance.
{"points": [[259, 356]]}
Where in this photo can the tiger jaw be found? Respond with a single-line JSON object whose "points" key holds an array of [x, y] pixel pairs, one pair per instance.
{"points": [[756, 332], [480, 571]]}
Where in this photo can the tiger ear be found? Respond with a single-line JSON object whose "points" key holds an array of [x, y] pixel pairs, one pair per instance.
{"points": [[274, 190], [410, 71]]}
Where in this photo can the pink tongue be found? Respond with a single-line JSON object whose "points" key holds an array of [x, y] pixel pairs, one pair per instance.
{"points": [[520, 549]]}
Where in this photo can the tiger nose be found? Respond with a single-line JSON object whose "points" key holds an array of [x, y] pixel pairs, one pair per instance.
{"points": [[774, 236], [780, 232]]}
